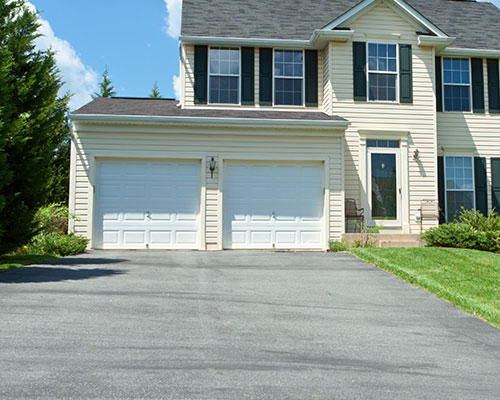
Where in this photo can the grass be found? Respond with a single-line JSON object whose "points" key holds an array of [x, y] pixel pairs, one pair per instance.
{"points": [[469, 279], [13, 261]]}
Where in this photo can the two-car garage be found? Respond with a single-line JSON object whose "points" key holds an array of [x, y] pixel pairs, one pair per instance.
{"points": [[159, 204], [153, 174]]}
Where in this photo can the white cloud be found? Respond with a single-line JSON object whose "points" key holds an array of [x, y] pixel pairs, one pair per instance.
{"points": [[173, 19], [79, 79], [176, 81]]}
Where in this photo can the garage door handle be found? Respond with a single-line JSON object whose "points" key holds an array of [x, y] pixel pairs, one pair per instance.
{"points": [[148, 214], [273, 215]]}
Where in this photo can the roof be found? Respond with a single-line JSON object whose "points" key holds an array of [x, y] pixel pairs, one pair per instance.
{"points": [[128, 106], [474, 24]]}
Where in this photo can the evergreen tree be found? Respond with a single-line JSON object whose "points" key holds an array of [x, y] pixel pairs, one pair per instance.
{"points": [[32, 118], [106, 89], [155, 93]]}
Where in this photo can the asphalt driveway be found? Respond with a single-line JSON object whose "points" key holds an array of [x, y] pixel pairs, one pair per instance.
{"points": [[235, 325]]}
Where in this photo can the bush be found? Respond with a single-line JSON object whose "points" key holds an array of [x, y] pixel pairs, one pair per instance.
{"points": [[477, 221], [336, 246], [464, 236], [55, 243], [52, 218], [52, 237]]}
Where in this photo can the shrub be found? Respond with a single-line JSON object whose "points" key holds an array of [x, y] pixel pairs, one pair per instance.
{"points": [[462, 235], [52, 218], [55, 243], [336, 246], [477, 221]]}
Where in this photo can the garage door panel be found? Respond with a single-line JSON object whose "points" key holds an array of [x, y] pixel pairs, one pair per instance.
{"points": [[273, 204], [142, 204]]}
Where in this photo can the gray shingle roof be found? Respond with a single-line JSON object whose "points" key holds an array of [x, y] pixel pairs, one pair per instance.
{"points": [[168, 108], [474, 24]]}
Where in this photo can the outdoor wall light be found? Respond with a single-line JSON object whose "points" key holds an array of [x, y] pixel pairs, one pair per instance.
{"points": [[211, 166], [416, 155]]}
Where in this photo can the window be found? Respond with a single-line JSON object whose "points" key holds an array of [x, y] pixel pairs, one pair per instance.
{"points": [[288, 77], [383, 143], [382, 71], [456, 82], [224, 71], [459, 173]]}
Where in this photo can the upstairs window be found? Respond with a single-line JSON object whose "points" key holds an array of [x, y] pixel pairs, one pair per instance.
{"points": [[288, 77], [459, 172], [456, 84], [382, 72], [224, 75]]}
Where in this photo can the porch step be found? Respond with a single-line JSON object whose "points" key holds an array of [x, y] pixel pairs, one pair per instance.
{"points": [[388, 240]]}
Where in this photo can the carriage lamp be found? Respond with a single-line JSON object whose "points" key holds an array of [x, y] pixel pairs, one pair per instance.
{"points": [[211, 166], [416, 155]]}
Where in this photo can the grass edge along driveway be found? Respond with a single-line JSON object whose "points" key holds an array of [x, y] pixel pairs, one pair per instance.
{"points": [[468, 279], [13, 261]]}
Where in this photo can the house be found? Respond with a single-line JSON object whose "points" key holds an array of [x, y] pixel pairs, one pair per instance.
{"points": [[288, 109]]}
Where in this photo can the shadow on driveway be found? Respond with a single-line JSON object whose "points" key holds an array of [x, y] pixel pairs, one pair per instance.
{"points": [[43, 274]]}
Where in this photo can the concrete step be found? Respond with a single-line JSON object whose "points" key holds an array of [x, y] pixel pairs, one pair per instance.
{"points": [[388, 239]]}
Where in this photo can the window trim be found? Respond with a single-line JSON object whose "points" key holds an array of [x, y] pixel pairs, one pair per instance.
{"points": [[397, 72], [456, 84], [473, 190], [224, 75], [303, 79]]}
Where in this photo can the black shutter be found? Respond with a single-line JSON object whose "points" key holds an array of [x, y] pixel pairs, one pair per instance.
{"points": [[441, 196], [359, 70], [247, 75], [311, 75], [266, 77], [439, 85], [481, 185], [200, 74], [495, 183], [493, 85], [405, 74], [477, 85]]}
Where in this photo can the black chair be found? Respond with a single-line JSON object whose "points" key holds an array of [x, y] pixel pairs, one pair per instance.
{"points": [[353, 213]]}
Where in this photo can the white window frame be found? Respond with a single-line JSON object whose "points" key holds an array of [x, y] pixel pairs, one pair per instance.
{"points": [[224, 75], [473, 190], [457, 84], [290, 77], [382, 72]]}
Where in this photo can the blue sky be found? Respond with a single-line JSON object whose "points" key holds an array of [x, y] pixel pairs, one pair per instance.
{"points": [[135, 39]]}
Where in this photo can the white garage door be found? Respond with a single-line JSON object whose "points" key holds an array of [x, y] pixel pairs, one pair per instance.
{"points": [[273, 205], [147, 204]]}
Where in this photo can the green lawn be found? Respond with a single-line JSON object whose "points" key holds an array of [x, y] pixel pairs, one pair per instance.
{"points": [[469, 279], [8, 262]]}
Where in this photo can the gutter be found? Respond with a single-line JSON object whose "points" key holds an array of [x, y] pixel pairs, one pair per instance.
{"points": [[317, 40], [207, 121], [470, 52]]}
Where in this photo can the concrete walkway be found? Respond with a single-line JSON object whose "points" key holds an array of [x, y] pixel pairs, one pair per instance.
{"points": [[235, 325]]}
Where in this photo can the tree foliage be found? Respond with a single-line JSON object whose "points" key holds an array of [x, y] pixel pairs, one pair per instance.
{"points": [[155, 93], [32, 122], [106, 88]]}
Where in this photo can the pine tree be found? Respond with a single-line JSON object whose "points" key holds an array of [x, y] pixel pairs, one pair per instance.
{"points": [[155, 93], [106, 89], [32, 119]]}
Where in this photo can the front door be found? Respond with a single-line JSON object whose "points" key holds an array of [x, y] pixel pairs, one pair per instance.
{"points": [[384, 193]]}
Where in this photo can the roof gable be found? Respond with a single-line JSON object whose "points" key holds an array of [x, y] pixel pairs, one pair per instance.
{"points": [[403, 9]]}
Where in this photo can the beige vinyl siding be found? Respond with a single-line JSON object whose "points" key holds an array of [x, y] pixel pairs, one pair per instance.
{"points": [[326, 82], [475, 134], [188, 81], [128, 141], [382, 24]]}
